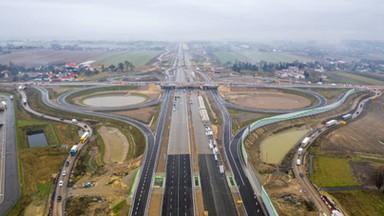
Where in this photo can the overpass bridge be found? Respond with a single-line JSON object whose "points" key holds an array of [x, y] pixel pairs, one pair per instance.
{"points": [[189, 85]]}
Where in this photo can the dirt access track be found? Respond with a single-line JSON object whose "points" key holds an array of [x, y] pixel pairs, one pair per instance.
{"points": [[264, 98]]}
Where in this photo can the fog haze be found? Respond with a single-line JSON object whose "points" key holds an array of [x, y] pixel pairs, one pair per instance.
{"points": [[329, 20]]}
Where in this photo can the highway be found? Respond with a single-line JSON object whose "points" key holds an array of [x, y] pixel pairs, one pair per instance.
{"points": [[178, 199], [10, 187], [178, 195], [231, 149], [147, 168]]}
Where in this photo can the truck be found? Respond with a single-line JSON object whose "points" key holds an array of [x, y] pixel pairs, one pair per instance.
{"points": [[84, 137], [25, 101], [346, 117], [300, 151], [298, 162], [330, 123], [73, 150], [305, 141], [221, 168]]}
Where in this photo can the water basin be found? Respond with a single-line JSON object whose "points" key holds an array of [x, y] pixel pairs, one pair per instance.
{"points": [[113, 100], [37, 139]]}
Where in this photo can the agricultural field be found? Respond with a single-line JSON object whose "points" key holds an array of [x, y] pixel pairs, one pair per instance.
{"points": [[349, 156], [33, 57], [256, 56], [333, 172], [364, 202], [138, 58], [349, 78]]}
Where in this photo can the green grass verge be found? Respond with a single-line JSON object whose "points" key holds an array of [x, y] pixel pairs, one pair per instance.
{"points": [[117, 208], [362, 203], [333, 172], [137, 57]]}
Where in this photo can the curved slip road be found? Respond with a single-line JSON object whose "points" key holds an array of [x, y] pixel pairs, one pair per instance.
{"points": [[143, 190], [58, 207]]}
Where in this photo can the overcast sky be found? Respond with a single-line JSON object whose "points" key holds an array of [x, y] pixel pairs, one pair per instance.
{"points": [[257, 20]]}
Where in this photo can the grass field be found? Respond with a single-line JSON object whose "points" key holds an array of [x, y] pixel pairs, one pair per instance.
{"points": [[229, 57], [333, 172], [276, 57], [362, 203], [138, 58], [38, 164], [256, 56], [349, 78]]}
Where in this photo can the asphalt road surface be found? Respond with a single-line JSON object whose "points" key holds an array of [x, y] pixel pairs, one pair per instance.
{"points": [[231, 149], [10, 175], [178, 198], [201, 140], [216, 193], [179, 136]]}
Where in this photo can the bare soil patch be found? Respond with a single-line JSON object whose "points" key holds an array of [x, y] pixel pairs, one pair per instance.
{"points": [[360, 137], [144, 114], [264, 99], [116, 144], [287, 197], [155, 204], [267, 100]]}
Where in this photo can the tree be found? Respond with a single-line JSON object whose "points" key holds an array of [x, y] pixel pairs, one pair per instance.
{"points": [[120, 67], [378, 177]]}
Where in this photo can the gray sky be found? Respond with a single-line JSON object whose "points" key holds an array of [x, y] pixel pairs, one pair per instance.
{"points": [[258, 20]]}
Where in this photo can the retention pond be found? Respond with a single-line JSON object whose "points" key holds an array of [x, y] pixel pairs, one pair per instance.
{"points": [[275, 147], [113, 100], [37, 139]]}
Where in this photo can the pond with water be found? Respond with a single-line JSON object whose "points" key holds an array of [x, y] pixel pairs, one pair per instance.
{"points": [[113, 100], [275, 147], [36, 139]]}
